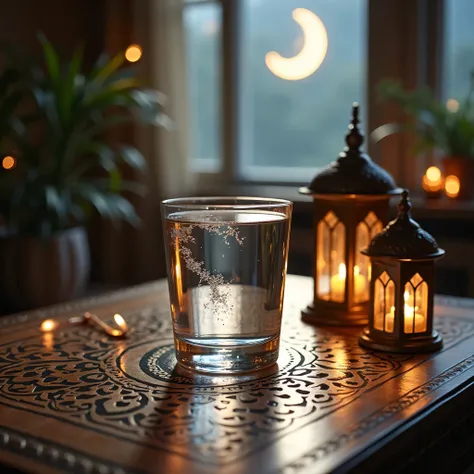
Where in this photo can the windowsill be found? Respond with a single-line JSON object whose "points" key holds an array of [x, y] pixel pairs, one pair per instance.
{"points": [[423, 208]]}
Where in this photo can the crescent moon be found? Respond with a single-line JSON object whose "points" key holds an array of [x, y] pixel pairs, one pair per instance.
{"points": [[312, 54]]}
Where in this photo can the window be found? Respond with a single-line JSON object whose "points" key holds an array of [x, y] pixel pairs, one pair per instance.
{"points": [[300, 71], [271, 82], [203, 47], [459, 48]]}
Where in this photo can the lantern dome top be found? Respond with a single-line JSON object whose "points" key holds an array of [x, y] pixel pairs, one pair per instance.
{"points": [[403, 238], [353, 172]]}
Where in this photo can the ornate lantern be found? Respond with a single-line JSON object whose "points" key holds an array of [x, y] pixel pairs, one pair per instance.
{"points": [[351, 205], [402, 287]]}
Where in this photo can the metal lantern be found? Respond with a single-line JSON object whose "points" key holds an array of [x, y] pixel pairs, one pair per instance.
{"points": [[351, 205], [402, 287]]}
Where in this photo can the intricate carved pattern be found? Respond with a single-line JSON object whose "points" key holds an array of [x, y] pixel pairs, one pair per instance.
{"points": [[377, 418], [82, 377], [61, 457], [129, 388]]}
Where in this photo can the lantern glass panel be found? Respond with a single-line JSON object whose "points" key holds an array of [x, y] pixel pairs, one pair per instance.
{"points": [[331, 265], [415, 305], [365, 231], [384, 303]]}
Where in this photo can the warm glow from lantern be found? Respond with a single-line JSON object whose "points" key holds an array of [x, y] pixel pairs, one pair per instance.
{"points": [[311, 55], [452, 186], [338, 283], [48, 325], [452, 105], [8, 162], [133, 53], [432, 180], [342, 271], [433, 174], [360, 284], [410, 312]]}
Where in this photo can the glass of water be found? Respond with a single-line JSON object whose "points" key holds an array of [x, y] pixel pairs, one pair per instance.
{"points": [[226, 262]]}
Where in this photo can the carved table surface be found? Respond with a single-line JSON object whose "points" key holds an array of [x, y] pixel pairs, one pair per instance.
{"points": [[78, 401]]}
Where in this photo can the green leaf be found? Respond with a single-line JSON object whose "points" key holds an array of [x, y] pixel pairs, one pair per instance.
{"points": [[107, 204], [55, 202], [115, 181], [104, 185], [122, 209], [107, 158], [99, 201], [108, 68], [51, 58], [133, 157], [68, 86]]}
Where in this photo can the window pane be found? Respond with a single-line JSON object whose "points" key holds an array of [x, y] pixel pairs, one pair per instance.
{"points": [[203, 39], [459, 47], [296, 97]]}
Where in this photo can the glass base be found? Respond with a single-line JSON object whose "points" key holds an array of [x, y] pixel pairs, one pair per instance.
{"points": [[226, 358]]}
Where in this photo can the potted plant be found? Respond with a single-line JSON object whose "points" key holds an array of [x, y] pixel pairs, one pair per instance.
{"points": [[56, 186], [447, 127]]}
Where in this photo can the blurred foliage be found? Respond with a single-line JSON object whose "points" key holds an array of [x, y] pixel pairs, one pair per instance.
{"points": [[53, 120], [447, 127]]}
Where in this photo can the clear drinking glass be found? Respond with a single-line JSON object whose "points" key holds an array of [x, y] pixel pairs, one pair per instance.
{"points": [[226, 262]]}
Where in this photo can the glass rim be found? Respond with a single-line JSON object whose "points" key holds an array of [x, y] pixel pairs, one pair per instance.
{"points": [[212, 201]]}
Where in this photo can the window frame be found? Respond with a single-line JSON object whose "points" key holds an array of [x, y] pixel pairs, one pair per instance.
{"points": [[394, 27]]}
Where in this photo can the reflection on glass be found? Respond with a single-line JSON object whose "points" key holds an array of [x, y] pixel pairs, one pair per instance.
{"points": [[365, 231], [416, 305], [384, 303], [331, 266], [202, 24]]}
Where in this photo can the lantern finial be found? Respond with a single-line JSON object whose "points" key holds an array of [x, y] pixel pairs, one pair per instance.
{"points": [[404, 207], [353, 172], [403, 237], [354, 138]]}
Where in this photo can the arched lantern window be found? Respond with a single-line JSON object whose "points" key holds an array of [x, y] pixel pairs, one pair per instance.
{"points": [[402, 287], [351, 205]]}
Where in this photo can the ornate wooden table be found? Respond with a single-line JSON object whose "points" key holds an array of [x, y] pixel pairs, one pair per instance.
{"points": [[78, 401]]}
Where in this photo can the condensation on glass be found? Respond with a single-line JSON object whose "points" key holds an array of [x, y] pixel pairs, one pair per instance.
{"points": [[365, 231], [384, 303], [331, 264]]}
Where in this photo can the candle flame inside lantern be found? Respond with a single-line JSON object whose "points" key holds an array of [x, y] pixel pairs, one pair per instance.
{"points": [[342, 271], [432, 180], [433, 174], [48, 325], [411, 315], [452, 186]]}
